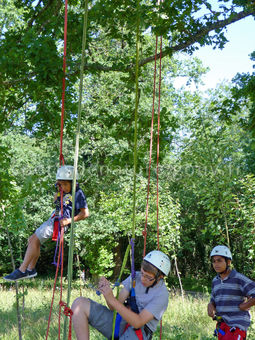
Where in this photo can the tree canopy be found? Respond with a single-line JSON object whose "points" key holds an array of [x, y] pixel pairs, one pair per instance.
{"points": [[31, 42]]}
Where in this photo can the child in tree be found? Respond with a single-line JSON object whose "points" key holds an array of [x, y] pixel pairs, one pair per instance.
{"points": [[151, 298], [232, 296], [45, 231]]}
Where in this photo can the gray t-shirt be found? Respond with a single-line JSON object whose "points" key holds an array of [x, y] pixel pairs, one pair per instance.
{"points": [[154, 301]]}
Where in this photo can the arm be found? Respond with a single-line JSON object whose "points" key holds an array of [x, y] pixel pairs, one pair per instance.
{"points": [[84, 213], [211, 309], [135, 320], [244, 306]]}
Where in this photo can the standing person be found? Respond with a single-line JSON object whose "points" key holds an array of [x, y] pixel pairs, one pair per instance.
{"points": [[64, 179], [232, 296], [151, 298]]}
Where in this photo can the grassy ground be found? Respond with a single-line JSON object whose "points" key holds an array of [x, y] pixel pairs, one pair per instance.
{"points": [[184, 319]]}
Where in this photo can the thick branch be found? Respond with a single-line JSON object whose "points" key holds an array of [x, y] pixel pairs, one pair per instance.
{"points": [[192, 39]]}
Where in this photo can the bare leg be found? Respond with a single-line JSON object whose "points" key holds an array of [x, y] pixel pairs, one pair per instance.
{"points": [[32, 253], [81, 310]]}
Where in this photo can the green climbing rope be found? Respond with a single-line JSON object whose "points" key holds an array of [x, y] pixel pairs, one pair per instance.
{"points": [[136, 114], [71, 245], [135, 155]]}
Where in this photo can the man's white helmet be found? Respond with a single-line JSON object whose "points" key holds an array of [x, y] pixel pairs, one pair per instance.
{"points": [[159, 260], [221, 251], [65, 173]]}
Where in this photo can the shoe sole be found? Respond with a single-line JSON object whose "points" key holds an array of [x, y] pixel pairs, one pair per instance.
{"points": [[31, 276], [22, 278]]}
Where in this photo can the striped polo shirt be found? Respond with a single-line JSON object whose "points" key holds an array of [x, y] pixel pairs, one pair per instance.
{"points": [[228, 294]]}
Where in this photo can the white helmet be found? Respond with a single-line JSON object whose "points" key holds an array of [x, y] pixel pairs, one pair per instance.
{"points": [[159, 260], [221, 251], [65, 173]]}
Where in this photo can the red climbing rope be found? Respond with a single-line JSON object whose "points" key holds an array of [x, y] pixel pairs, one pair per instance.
{"points": [[151, 142], [60, 255], [150, 157], [67, 311], [159, 93]]}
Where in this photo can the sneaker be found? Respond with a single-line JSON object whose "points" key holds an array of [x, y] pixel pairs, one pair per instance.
{"points": [[31, 273], [16, 275]]}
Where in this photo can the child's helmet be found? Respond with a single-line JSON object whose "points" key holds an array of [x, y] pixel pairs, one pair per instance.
{"points": [[221, 251], [65, 173], [159, 260]]}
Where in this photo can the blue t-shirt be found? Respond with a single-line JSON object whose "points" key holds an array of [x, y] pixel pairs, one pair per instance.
{"points": [[80, 202], [228, 294]]}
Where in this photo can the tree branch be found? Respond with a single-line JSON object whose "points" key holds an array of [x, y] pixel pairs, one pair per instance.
{"points": [[192, 39]]}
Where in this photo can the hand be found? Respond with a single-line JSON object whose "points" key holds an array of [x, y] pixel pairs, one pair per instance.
{"points": [[245, 306], [211, 310], [104, 287], [65, 221]]}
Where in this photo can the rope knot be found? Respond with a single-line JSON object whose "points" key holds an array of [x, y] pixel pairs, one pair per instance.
{"points": [[67, 311]]}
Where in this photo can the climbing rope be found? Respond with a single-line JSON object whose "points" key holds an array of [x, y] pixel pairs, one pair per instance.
{"points": [[67, 310], [60, 255], [150, 154], [61, 162], [71, 242], [61, 157], [159, 93], [151, 143], [118, 289], [136, 115], [131, 245]]}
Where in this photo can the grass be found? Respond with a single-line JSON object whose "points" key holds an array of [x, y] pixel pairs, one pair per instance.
{"points": [[185, 319]]}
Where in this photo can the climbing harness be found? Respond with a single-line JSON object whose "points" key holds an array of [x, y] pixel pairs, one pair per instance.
{"points": [[223, 330], [131, 302]]}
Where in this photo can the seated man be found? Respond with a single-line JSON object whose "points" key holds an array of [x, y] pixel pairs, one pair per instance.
{"points": [[151, 298], [45, 231]]}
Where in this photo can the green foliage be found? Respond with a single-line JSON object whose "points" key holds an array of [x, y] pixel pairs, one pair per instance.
{"points": [[31, 48]]}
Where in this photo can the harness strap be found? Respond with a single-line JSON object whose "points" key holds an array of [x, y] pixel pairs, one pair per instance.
{"points": [[138, 331], [148, 332], [55, 229], [117, 326]]}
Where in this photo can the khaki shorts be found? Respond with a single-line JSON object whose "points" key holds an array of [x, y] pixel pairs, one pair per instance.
{"points": [[45, 231], [101, 318]]}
